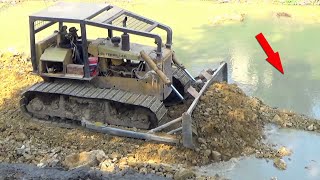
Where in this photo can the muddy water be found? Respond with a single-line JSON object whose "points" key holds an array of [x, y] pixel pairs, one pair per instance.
{"points": [[199, 43], [297, 89], [304, 163]]}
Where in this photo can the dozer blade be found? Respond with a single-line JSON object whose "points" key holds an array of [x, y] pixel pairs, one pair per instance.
{"points": [[206, 78], [219, 75]]}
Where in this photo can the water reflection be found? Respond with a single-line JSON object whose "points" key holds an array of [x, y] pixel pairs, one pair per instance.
{"points": [[297, 90]]}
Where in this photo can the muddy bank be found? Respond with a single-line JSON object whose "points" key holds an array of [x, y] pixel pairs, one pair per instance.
{"points": [[228, 124]]}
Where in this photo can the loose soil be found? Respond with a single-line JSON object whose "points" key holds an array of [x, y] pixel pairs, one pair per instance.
{"points": [[228, 123]]}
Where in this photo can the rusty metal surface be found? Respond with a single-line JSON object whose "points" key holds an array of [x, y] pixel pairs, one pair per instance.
{"points": [[75, 69], [139, 86], [183, 77], [219, 75]]}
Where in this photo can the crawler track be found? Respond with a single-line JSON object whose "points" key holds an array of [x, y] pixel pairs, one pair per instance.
{"points": [[70, 102]]}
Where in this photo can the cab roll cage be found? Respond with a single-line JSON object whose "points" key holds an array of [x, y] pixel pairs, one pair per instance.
{"points": [[103, 16]]}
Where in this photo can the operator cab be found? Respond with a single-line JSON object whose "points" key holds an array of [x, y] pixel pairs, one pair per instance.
{"points": [[65, 54]]}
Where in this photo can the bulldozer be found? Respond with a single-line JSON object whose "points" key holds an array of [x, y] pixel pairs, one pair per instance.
{"points": [[110, 84]]}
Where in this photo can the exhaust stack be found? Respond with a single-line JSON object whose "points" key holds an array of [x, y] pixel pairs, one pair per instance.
{"points": [[125, 39]]}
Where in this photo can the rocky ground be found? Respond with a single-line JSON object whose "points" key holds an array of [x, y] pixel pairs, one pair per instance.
{"points": [[229, 124], [25, 171]]}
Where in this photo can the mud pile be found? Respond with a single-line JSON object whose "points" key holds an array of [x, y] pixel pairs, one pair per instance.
{"points": [[230, 124], [228, 121]]}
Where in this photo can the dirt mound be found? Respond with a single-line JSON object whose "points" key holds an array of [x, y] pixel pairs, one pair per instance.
{"points": [[228, 121]]}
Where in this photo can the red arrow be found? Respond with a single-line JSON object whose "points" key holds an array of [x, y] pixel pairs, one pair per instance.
{"points": [[273, 57]]}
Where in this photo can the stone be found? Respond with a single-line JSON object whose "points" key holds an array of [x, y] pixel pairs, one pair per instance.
{"points": [[207, 153], [21, 150], [20, 136], [169, 176], [280, 164], [159, 173], [276, 118], [55, 150], [28, 156], [203, 146], [143, 170], [50, 160], [82, 159], [288, 124], [216, 156], [311, 127], [184, 174], [107, 165], [202, 141], [194, 162], [114, 155], [283, 151], [131, 161], [167, 168], [53, 162], [33, 127], [100, 155], [41, 165]]}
